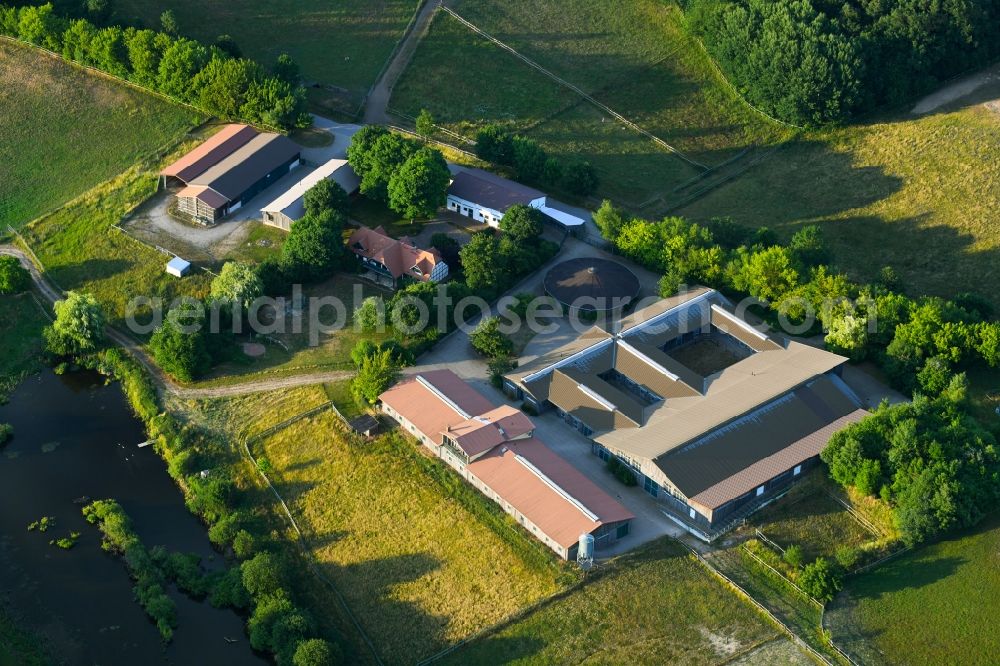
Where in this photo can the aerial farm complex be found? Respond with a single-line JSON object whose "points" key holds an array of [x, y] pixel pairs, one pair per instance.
{"points": [[478, 332], [714, 415]]}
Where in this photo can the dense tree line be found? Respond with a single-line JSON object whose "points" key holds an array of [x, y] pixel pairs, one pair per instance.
{"points": [[208, 77], [919, 342], [810, 62], [532, 163], [929, 460], [410, 178]]}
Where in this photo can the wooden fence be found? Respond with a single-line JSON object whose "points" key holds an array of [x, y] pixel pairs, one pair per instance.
{"points": [[759, 606], [563, 82]]}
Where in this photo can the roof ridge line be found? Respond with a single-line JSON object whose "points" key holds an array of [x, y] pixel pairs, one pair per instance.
{"points": [[445, 399], [556, 487]]}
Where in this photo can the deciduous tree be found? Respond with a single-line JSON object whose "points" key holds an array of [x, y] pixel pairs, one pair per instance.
{"points": [[417, 188]]}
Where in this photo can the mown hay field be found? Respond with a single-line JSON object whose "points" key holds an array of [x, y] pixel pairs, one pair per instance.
{"points": [[641, 63], [343, 43], [404, 542], [656, 605], [918, 193], [65, 130]]}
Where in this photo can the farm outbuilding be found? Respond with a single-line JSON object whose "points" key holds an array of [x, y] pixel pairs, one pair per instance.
{"points": [[495, 449], [289, 208], [485, 197], [178, 267], [365, 425], [229, 183], [216, 148]]}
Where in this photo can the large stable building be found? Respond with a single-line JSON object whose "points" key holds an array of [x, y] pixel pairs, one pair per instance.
{"points": [[228, 170], [714, 416], [495, 449]]}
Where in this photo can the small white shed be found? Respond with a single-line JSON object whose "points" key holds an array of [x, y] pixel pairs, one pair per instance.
{"points": [[178, 267]]}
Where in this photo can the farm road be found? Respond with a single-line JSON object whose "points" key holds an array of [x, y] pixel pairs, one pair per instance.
{"points": [[378, 98], [52, 294]]}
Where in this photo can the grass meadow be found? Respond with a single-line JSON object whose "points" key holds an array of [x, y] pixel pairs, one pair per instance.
{"points": [[641, 64], [403, 539], [655, 605], [809, 517], [21, 324], [82, 250], [65, 130], [935, 605], [288, 352], [917, 193], [343, 43]]}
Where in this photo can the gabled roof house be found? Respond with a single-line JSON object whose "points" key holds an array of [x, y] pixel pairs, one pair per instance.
{"points": [[396, 259]]}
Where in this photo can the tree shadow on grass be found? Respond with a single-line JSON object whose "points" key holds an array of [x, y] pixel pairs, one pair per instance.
{"points": [[403, 632], [907, 573], [96, 269]]}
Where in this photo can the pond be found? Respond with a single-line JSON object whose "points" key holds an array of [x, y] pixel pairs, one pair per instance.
{"points": [[75, 438]]}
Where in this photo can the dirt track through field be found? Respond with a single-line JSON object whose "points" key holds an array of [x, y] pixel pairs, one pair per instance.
{"points": [[955, 91], [52, 294], [378, 98]]}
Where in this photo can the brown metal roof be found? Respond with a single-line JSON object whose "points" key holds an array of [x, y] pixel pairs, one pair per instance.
{"points": [[609, 283], [490, 190], [580, 508], [755, 436], [729, 394], [590, 382], [770, 466], [204, 193], [486, 431], [586, 340], [210, 152], [524, 472], [232, 176], [398, 256]]}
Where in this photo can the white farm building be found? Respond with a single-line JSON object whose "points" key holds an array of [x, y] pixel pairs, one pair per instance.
{"points": [[485, 197]]}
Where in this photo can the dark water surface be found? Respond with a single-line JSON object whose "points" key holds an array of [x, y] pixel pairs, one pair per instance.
{"points": [[75, 437]]}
